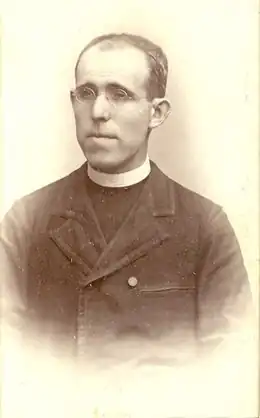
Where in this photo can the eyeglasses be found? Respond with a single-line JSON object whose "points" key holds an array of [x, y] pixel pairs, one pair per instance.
{"points": [[114, 94]]}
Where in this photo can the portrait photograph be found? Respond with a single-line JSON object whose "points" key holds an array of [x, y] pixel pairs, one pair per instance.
{"points": [[129, 230]]}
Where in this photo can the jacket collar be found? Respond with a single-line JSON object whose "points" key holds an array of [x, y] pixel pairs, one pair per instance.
{"points": [[161, 192]]}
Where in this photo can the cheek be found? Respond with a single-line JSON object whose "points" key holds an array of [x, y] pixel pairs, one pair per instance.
{"points": [[81, 117], [133, 120]]}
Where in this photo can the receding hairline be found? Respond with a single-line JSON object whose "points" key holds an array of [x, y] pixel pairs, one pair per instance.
{"points": [[113, 44]]}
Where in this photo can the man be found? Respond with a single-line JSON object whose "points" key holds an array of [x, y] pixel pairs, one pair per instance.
{"points": [[116, 254]]}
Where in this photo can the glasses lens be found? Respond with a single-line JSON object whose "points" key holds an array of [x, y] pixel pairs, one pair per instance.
{"points": [[117, 94], [85, 93]]}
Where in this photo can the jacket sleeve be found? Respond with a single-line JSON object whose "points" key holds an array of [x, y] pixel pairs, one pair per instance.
{"points": [[13, 244], [224, 302]]}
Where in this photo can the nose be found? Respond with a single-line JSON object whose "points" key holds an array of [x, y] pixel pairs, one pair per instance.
{"points": [[101, 108]]}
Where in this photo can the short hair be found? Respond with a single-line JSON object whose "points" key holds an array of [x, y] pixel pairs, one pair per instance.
{"points": [[157, 60]]}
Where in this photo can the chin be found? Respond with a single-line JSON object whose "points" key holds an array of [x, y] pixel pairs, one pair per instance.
{"points": [[105, 166], [107, 163]]}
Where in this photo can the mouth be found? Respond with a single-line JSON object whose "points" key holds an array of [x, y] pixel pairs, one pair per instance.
{"points": [[102, 136]]}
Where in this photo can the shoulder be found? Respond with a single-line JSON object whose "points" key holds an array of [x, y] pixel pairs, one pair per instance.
{"points": [[193, 208], [58, 190], [38, 205], [185, 199], [195, 205]]}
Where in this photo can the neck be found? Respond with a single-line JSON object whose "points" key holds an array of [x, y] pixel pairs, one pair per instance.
{"points": [[124, 179]]}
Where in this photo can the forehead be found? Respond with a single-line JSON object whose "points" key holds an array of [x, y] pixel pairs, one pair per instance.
{"points": [[125, 65]]}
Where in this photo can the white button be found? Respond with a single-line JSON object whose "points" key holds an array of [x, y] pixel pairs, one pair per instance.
{"points": [[132, 281]]}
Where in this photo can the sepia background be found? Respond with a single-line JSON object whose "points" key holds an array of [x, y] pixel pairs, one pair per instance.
{"points": [[210, 141]]}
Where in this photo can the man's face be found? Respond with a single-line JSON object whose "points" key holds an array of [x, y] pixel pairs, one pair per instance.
{"points": [[111, 109]]}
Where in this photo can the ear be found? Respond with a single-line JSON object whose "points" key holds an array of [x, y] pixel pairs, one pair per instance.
{"points": [[72, 100], [160, 110], [72, 97]]}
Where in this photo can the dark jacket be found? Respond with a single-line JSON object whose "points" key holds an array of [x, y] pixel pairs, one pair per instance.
{"points": [[188, 282]]}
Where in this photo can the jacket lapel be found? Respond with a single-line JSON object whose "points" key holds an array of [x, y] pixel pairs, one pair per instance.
{"points": [[74, 227], [141, 230], [79, 239], [77, 232]]}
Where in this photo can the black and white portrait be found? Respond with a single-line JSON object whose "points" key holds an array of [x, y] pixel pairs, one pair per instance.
{"points": [[128, 231]]}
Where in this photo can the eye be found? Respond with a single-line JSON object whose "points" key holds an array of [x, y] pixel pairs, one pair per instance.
{"points": [[85, 93], [119, 94]]}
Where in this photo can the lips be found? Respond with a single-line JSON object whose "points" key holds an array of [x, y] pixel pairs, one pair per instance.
{"points": [[99, 135]]}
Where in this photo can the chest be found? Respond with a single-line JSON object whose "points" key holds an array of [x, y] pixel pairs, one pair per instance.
{"points": [[147, 295]]}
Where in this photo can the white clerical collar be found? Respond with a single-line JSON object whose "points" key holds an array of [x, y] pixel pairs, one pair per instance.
{"points": [[125, 179]]}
